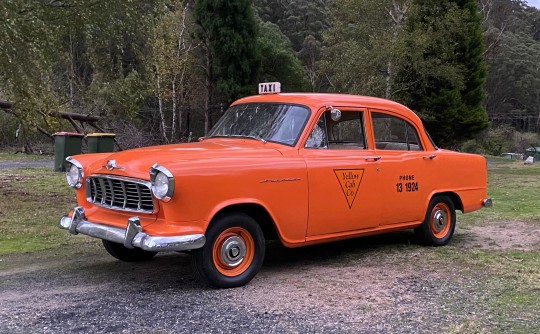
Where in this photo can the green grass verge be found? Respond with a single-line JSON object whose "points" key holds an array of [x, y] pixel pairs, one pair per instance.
{"points": [[5, 156], [31, 203], [514, 188]]}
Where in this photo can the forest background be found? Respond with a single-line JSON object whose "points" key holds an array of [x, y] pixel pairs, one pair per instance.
{"points": [[164, 71]]}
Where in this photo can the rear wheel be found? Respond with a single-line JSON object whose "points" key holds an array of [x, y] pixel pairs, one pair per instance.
{"points": [[125, 254], [233, 252], [440, 222]]}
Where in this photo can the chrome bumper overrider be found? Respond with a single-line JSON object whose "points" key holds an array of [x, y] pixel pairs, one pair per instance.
{"points": [[130, 237]]}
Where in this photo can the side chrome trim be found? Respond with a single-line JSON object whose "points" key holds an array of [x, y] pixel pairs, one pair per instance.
{"points": [[130, 237]]}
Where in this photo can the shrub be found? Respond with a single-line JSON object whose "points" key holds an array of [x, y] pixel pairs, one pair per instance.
{"points": [[495, 141]]}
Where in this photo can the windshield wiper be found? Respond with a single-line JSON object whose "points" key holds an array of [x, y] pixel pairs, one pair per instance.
{"points": [[249, 137], [237, 136]]}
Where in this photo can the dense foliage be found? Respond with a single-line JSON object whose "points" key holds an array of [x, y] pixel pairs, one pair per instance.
{"points": [[450, 92], [163, 71]]}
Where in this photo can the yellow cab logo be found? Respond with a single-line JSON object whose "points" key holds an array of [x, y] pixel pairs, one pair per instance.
{"points": [[349, 180]]}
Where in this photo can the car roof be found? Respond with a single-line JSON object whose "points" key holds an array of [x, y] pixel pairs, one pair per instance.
{"points": [[319, 100]]}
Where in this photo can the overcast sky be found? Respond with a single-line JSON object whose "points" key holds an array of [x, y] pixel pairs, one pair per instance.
{"points": [[534, 3]]}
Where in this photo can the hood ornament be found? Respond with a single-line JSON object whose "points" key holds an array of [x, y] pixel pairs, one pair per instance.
{"points": [[111, 165]]}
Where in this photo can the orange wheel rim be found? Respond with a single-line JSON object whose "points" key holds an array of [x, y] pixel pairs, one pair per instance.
{"points": [[440, 220], [233, 251]]}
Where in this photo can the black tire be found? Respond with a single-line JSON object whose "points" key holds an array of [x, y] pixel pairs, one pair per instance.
{"points": [[439, 223], [233, 252], [125, 254]]}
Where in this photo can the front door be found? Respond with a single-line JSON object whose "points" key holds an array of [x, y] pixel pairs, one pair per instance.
{"points": [[343, 174]]}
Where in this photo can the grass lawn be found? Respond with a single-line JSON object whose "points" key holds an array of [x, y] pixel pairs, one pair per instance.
{"points": [[31, 203], [515, 190], [25, 157]]}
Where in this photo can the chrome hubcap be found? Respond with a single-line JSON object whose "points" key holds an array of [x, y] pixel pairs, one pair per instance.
{"points": [[233, 251], [439, 220]]}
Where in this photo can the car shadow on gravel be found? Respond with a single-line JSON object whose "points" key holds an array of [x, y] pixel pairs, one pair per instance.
{"points": [[278, 256], [165, 271], [173, 270]]}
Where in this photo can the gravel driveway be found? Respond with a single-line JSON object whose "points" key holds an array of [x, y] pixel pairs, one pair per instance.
{"points": [[88, 292], [369, 285], [11, 164]]}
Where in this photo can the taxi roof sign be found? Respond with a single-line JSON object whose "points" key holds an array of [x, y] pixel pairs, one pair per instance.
{"points": [[269, 87]]}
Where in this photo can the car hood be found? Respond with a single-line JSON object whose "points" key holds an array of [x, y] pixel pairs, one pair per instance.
{"points": [[136, 162]]}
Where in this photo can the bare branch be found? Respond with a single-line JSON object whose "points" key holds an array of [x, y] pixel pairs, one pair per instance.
{"points": [[73, 116], [495, 42]]}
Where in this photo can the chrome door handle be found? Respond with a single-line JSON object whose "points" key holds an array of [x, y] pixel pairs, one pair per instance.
{"points": [[373, 159], [430, 157]]}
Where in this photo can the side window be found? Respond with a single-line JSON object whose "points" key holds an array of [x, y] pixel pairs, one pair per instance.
{"points": [[393, 133], [345, 132]]}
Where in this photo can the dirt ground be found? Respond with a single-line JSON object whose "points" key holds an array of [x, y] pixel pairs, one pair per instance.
{"points": [[380, 284], [502, 236]]}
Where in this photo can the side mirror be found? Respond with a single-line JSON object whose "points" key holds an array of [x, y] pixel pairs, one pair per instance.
{"points": [[335, 114]]}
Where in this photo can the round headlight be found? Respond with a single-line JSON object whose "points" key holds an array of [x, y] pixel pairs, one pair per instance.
{"points": [[161, 185], [162, 182], [74, 173]]}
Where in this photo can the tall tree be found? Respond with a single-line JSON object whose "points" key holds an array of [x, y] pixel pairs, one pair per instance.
{"points": [[365, 46], [426, 54], [171, 64], [26, 59], [279, 62], [72, 54], [229, 33], [446, 56], [512, 38], [303, 22]]}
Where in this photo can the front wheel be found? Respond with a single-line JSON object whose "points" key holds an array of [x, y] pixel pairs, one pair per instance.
{"points": [[439, 223], [125, 254], [233, 252]]}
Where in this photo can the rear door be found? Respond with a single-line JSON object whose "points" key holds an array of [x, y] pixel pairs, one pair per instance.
{"points": [[406, 168]]}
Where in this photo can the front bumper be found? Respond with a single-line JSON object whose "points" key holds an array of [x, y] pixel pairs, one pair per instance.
{"points": [[132, 236]]}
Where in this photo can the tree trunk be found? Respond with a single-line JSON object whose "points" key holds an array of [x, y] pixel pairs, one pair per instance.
{"points": [[71, 70], [173, 125], [397, 14], [160, 107], [388, 92], [207, 99], [74, 116]]}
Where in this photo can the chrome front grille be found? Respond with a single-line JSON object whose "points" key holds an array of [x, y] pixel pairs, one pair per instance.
{"points": [[120, 193]]}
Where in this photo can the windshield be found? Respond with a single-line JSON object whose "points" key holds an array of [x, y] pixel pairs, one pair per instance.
{"points": [[275, 122]]}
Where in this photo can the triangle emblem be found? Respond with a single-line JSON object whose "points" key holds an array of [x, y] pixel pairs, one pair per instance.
{"points": [[349, 180]]}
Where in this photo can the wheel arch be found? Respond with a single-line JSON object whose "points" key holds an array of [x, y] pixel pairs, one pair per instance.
{"points": [[458, 204], [256, 211]]}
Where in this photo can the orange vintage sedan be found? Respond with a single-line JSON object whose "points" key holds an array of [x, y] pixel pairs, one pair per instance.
{"points": [[299, 167]]}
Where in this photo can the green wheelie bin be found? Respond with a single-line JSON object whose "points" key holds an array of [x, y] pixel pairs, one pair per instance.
{"points": [[100, 142], [65, 145]]}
